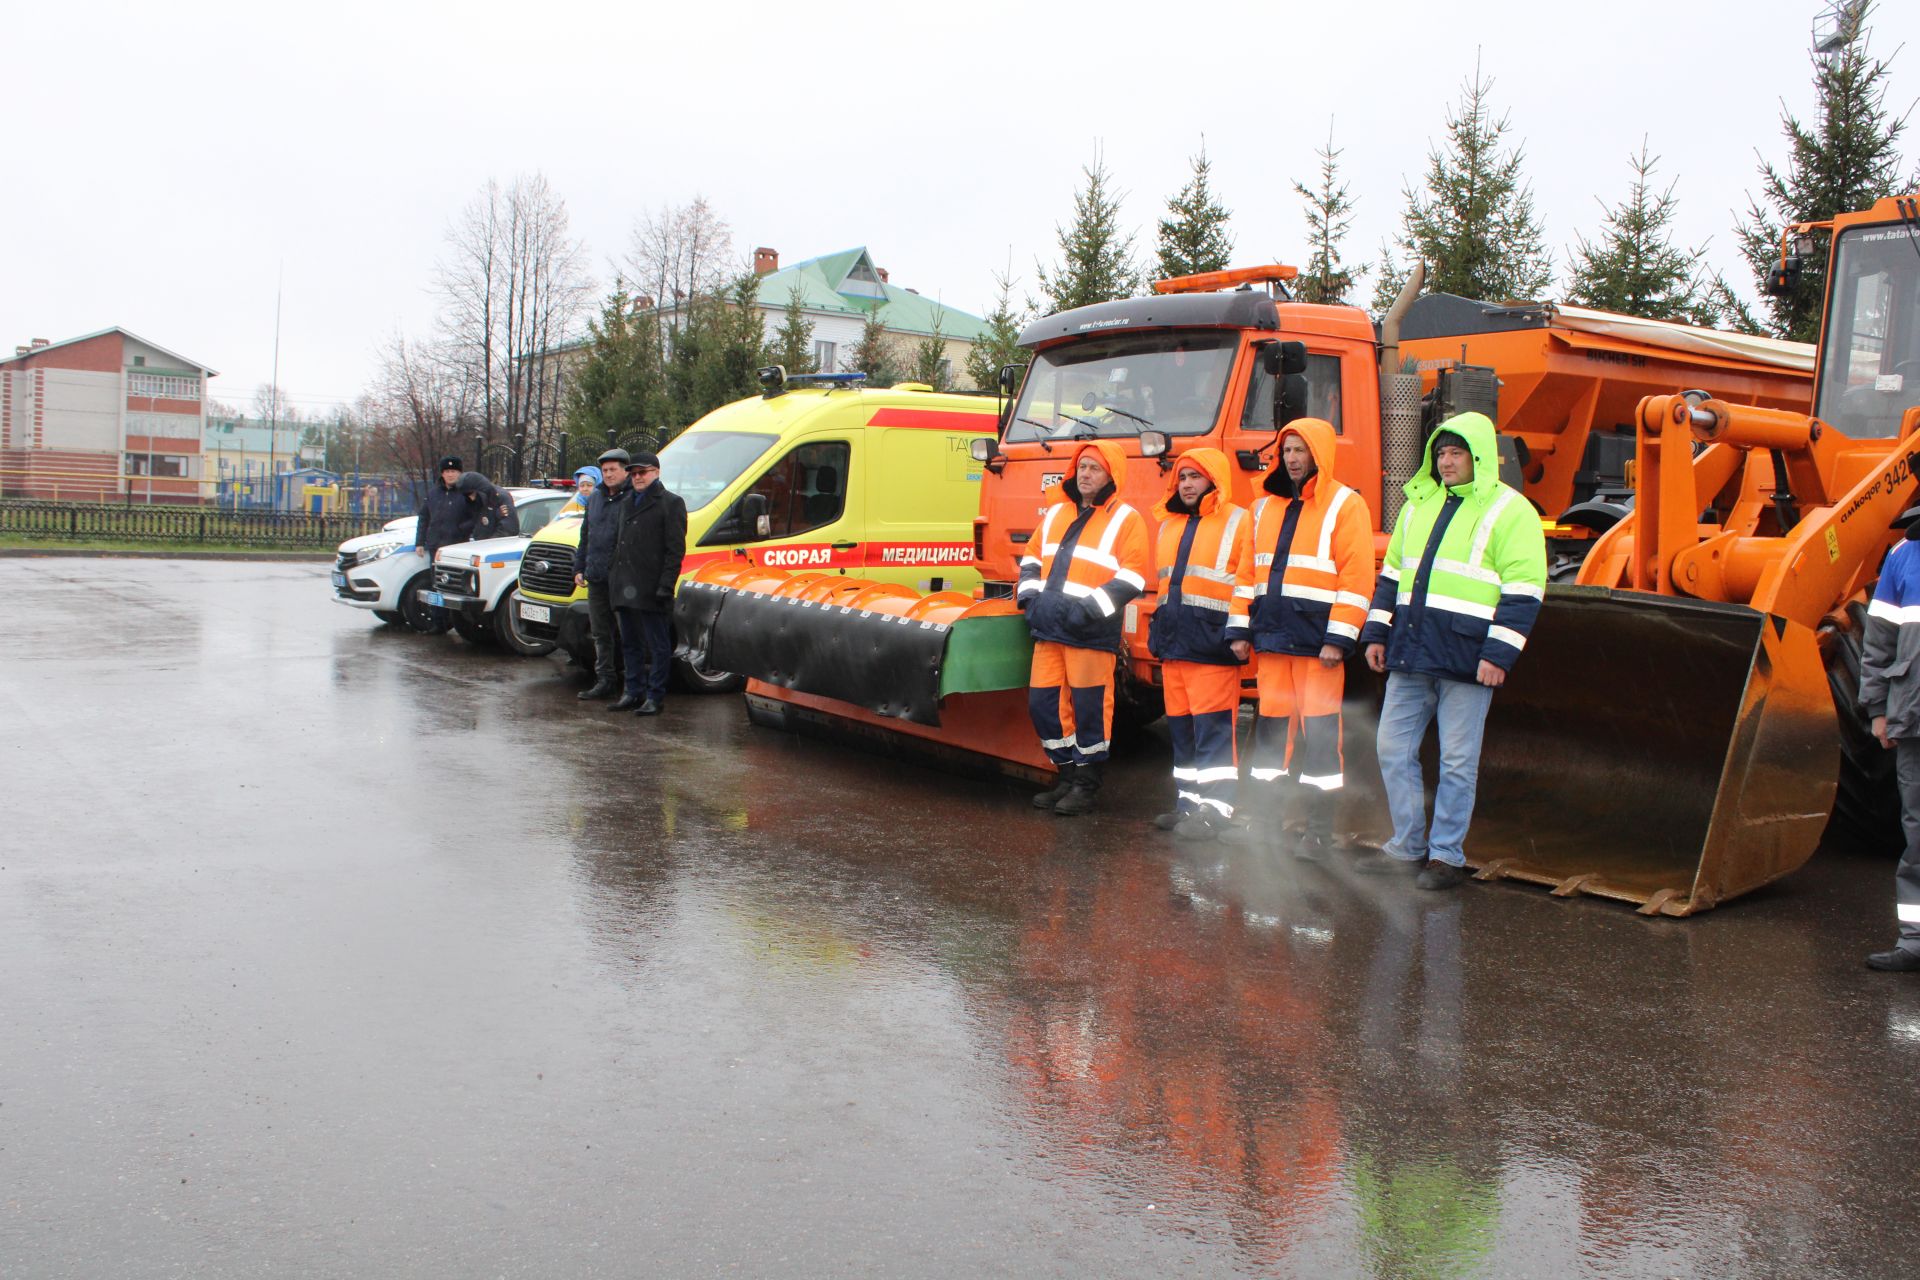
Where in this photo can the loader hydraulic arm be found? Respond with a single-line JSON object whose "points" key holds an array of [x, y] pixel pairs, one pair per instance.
{"points": [[1748, 553]]}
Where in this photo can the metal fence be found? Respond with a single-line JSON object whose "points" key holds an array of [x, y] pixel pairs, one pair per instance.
{"points": [[113, 522]]}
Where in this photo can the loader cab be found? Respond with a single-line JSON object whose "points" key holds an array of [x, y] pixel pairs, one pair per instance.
{"points": [[1870, 350]]}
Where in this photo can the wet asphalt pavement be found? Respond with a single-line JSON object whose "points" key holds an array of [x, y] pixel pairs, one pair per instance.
{"points": [[327, 950]]}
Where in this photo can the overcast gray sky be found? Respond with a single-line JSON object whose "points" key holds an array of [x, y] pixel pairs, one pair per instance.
{"points": [[166, 163]]}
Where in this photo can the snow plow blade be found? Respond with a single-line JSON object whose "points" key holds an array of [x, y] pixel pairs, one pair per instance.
{"points": [[874, 664], [1666, 752]]}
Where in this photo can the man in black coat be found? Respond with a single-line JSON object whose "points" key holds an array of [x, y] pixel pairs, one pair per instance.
{"points": [[446, 516], [593, 561], [646, 567], [493, 513]]}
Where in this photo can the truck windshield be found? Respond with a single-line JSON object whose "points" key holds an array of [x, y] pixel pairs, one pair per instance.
{"points": [[1870, 354], [1124, 384], [699, 465]]}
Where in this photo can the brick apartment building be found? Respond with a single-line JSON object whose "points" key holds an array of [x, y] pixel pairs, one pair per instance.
{"points": [[101, 417]]}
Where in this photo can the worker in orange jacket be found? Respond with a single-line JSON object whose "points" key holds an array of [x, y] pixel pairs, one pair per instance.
{"points": [[1086, 561], [1313, 569], [1200, 634]]}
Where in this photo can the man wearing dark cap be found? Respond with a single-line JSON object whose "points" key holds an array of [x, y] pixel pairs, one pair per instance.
{"points": [[1458, 592], [446, 516], [593, 560], [646, 567]]}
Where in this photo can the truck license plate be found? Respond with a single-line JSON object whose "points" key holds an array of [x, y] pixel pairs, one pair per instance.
{"points": [[434, 598], [339, 581], [535, 612]]}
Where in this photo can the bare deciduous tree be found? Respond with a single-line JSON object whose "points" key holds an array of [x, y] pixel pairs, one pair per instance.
{"points": [[516, 286], [679, 254]]}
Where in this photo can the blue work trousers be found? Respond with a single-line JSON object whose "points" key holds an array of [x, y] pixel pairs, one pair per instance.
{"points": [[1412, 703]]}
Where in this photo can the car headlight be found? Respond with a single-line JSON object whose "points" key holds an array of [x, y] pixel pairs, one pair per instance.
{"points": [[367, 554]]}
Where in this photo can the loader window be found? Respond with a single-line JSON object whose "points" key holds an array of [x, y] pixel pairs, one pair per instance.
{"points": [[1870, 354], [1125, 384], [1323, 395], [804, 490]]}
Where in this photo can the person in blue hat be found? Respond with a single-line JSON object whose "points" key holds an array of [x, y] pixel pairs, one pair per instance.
{"points": [[585, 480]]}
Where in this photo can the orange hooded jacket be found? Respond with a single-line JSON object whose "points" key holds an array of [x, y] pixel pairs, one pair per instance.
{"points": [[1312, 554], [1206, 568], [1084, 564]]}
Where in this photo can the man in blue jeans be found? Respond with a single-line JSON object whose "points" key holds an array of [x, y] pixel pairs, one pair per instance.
{"points": [[1458, 592]]}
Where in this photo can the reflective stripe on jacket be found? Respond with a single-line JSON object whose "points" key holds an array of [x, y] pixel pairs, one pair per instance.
{"points": [[1889, 683], [1312, 555], [1465, 571], [1206, 569], [1084, 564]]}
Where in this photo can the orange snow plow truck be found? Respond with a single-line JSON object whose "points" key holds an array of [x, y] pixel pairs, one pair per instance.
{"points": [[1674, 735]]}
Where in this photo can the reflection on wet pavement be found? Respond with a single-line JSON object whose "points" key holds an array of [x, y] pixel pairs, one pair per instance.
{"points": [[335, 951]]}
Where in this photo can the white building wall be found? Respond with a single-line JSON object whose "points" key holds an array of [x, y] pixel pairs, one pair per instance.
{"points": [[82, 409]]}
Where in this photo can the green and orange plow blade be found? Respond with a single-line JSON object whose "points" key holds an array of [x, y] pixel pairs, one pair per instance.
{"points": [[878, 664]]}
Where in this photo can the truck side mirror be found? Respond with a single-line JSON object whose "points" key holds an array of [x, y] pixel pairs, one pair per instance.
{"points": [[1009, 377], [1282, 358]]}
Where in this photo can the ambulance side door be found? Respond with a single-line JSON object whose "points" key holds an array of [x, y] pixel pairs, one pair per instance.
{"points": [[796, 513]]}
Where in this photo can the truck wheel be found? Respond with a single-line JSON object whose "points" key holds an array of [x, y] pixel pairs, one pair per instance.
{"points": [[1866, 809], [506, 628], [415, 610], [699, 680], [473, 631], [391, 617]]}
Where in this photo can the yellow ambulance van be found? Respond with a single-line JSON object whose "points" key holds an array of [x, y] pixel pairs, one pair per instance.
{"points": [[820, 473]]}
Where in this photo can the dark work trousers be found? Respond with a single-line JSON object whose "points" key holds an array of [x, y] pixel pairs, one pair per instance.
{"points": [[1906, 878], [646, 642], [606, 637]]}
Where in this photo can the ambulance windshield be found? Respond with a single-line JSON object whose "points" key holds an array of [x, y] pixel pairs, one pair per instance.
{"points": [[699, 465], [1125, 383]]}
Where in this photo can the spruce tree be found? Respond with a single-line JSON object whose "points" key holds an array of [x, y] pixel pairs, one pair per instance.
{"points": [[1193, 235], [1844, 161], [1000, 344], [1326, 278], [930, 358], [791, 346], [1096, 259], [1633, 267], [1471, 220], [620, 386], [874, 353]]}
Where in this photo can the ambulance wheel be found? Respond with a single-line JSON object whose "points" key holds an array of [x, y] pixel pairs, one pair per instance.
{"points": [[391, 617], [1866, 808]]}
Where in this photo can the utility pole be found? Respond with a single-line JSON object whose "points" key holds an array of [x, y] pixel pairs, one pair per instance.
{"points": [[273, 394]]}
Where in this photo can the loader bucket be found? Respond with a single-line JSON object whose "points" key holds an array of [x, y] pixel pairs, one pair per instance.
{"points": [[1666, 752]]}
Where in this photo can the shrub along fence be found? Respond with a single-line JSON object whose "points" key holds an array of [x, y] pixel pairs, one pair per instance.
{"points": [[109, 522]]}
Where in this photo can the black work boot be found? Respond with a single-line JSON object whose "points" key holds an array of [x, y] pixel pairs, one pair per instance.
{"points": [[1894, 961], [601, 688], [1054, 794], [1168, 821], [1196, 826], [1086, 784], [626, 702]]}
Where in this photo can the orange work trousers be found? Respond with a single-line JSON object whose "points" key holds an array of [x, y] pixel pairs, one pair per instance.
{"points": [[1202, 700], [1070, 698], [1297, 732]]}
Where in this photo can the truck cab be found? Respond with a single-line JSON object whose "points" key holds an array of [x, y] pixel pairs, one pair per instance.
{"points": [[1168, 373]]}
